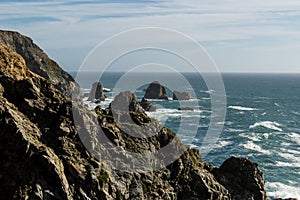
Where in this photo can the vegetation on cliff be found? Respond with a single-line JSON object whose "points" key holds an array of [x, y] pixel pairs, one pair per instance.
{"points": [[43, 155]]}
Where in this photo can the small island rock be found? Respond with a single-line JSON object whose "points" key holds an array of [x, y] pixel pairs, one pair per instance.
{"points": [[156, 91], [181, 95]]}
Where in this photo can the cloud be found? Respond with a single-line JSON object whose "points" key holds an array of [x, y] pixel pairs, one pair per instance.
{"points": [[218, 24]]}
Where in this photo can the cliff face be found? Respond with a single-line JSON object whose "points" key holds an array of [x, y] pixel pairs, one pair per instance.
{"points": [[42, 156], [37, 61]]}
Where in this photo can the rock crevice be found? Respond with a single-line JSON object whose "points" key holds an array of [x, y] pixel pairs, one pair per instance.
{"points": [[43, 155]]}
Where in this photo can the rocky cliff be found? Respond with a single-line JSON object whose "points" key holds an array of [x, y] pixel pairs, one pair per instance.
{"points": [[37, 61], [43, 156]]}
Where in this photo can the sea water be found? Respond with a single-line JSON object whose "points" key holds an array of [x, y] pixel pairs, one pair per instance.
{"points": [[262, 121]]}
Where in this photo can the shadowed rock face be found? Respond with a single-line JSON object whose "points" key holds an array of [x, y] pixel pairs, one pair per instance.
{"points": [[96, 92], [156, 91], [38, 62], [147, 105], [43, 157]]}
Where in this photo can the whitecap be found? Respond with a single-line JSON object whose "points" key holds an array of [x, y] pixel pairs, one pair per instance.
{"points": [[223, 143], [295, 137], [286, 164], [291, 157], [276, 104], [267, 124], [233, 130], [242, 108], [296, 113], [250, 145], [281, 190], [192, 146]]}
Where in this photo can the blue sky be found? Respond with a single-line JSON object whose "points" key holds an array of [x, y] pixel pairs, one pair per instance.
{"points": [[240, 36]]}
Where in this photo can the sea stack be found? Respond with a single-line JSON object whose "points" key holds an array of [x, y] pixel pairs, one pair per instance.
{"points": [[181, 95], [156, 91], [97, 92]]}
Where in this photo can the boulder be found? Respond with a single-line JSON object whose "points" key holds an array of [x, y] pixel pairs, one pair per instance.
{"points": [[186, 108], [156, 91], [146, 105], [181, 95], [125, 101], [96, 92], [242, 178]]}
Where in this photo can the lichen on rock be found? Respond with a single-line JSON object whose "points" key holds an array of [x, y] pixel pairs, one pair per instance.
{"points": [[43, 155]]}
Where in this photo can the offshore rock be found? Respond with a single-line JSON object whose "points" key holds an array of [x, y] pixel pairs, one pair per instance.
{"points": [[181, 95], [242, 178], [146, 105], [96, 92], [46, 155], [38, 62], [156, 91]]}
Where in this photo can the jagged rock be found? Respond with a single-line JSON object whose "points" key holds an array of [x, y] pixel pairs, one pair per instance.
{"points": [[156, 91], [38, 62], [186, 108], [285, 199], [126, 101], [46, 155], [181, 95], [147, 105], [242, 178], [97, 92]]}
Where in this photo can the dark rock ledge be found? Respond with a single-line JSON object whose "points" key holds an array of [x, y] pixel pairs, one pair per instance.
{"points": [[42, 156]]}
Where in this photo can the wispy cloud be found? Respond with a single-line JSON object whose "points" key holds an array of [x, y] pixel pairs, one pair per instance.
{"points": [[217, 23]]}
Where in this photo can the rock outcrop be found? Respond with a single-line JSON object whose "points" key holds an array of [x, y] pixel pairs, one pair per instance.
{"points": [[146, 105], [97, 92], [181, 95], [156, 91], [38, 62], [186, 108], [43, 155]]}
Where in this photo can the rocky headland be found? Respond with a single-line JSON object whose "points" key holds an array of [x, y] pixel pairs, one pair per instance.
{"points": [[38, 61], [43, 155]]}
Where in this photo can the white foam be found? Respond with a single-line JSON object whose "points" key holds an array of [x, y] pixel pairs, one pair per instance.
{"points": [[296, 113], [281, 190], [107, 89], [265, 135], [292, 158], [223, 143], [192, 146], [267, 124], [242, 108], [250, 145], [295, 137], [251, 136], [235, 130], [207, 91], [286, 164], [256, 137]]}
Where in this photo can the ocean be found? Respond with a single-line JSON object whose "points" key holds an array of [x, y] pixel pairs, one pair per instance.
{"points": [[262, 121]]}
